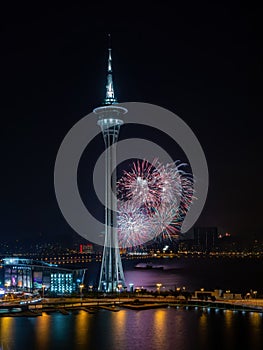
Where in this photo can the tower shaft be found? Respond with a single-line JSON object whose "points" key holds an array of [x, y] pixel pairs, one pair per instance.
{"points": [[111, 274]]}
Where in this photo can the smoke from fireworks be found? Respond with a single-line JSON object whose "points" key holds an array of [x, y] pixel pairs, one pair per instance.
{"points": [[152, 201]]}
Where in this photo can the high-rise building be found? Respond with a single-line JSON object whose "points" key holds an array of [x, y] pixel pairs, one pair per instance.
{"points": [[111, 274], [205, 238]]}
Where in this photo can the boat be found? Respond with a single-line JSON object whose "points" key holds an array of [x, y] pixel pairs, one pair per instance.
{"points": [[148, 266]]}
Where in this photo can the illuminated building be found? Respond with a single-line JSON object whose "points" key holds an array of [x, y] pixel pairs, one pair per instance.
{"points": [[28, 275], [86, 248]]}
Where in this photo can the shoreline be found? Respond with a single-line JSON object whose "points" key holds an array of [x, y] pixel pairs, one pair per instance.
{"points": [[136, 305]]}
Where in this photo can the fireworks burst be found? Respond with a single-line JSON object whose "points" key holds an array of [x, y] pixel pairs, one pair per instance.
{"points": [[153, 200], [134, 227], [165, 222], [142, 184]]}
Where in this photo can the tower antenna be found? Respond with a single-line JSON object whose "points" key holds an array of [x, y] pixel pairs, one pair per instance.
{"points": [[110, 96]]}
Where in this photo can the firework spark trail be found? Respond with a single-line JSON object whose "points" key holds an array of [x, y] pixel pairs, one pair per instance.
{"points": [[171, 187], [142, 184], [153, 200], [165, 221], [134, 227]]}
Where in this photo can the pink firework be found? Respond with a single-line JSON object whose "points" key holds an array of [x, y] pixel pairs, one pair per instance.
{"points": [[153, 200], [142, 184], [134, 227], [166, 222], [171, 183]]}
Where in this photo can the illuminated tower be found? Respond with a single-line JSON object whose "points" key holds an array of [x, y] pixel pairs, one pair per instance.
{"points": [[111, 273]]}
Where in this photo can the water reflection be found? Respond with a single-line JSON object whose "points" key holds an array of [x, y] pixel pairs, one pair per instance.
{"points": [[256, 331], [7, 331], [131, 330], [119, 329], [228, 318], [159, 327], [120, 324], [203, 331], [82, 328], [42, 331], [229, 330]]}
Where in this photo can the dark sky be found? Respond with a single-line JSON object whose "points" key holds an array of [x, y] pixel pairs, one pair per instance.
{"points": [[203, 63]]}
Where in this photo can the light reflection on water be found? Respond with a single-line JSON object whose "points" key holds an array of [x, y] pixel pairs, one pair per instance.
{"points": [[119, 320], [202, 329], [256, 331], [127, 329], [7, 331], [159, 326], [82, 328], [229, 332], [42, 325]]}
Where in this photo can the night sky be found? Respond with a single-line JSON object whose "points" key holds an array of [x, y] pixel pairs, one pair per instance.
{"points": [[202, 63]]}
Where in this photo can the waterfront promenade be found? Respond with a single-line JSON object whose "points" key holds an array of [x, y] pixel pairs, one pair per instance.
{"points": [[112, 304]]}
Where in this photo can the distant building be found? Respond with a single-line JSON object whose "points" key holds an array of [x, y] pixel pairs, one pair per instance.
{"points": [[205, 238], [204, 294], [86, 248], [185, 245], [28, 275]]}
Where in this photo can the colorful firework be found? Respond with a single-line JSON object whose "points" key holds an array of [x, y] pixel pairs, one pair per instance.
{"points": [[153, 200], [134, 227], [142, 184], [165, 222]]}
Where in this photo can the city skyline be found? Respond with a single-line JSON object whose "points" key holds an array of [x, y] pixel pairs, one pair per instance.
{"points": [[202, 68]]}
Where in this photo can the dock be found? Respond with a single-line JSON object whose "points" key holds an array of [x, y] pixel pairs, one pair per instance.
{"points": [[141, 306], [90, 310], [63, 311], [26, 313], [110, 308]]}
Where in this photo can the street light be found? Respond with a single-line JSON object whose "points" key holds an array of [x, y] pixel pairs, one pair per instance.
{"points": [[43, 290], [158, 285], [81, 286], [119, 290], [202, 295]]}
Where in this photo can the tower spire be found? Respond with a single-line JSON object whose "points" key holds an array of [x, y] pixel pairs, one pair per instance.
{"points": [[110, 98]]}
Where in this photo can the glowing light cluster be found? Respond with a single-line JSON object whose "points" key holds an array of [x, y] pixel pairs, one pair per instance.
{"points": [[152, 201]]}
